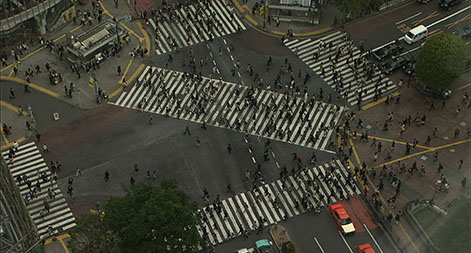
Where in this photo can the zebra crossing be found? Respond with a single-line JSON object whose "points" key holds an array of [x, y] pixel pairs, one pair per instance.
{"points": [[193, 24], [297, 120], [270, 203], [341, 64], [27, 164]]}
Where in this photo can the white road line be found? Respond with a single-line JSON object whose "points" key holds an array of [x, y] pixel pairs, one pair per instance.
{"points": [[374, 240], [253, 159], [410, 51], [319, 245], [345, 241], [447, 17], [404, 20]]}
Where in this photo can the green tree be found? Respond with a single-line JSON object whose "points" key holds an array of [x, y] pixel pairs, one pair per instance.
{"points": [[288, 247], [90, 235], [154, 219], [352, 7], [441, 60]]}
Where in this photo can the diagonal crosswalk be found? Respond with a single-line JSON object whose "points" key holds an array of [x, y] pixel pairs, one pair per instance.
{"points": [[341, 64], [37, 186], [192, 24], [293, 119], [273, 202]]}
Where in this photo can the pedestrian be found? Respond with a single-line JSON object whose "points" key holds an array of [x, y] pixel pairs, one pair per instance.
{"points": [[198, 142], [132, 181], [119, 70], [457, 132], [375, 156], [187, 131], [463, 182], [46, 205], [78, 172], [38, 137], [461, 164], [107, 176], [150, 119], [136, 169], [12, 93], [70, 191], [154, 175], [398, 217], [45, 148], [229, 148]]}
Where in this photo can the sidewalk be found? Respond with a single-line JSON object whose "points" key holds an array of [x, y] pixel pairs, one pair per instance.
{"points": [[328, 12], [84, 96]]}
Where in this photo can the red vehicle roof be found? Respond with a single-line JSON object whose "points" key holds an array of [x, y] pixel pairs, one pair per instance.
{"points": [[365, 248], [340, 210]]}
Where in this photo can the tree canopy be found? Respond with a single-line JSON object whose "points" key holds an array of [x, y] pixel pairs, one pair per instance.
{"points": [[153, 219], [441, 60], [90, 235], [352, 7], [147, 219]]}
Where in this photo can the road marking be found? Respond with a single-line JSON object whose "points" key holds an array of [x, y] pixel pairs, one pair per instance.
{"points": [[273, 154], [146, 37], [11, 107], [319, 245], [277, 165], [411, 17], [431, 15], [253, 159], [6, 146], [410, 51], [382, 199], [391, 140], [345, 241], [251, 20], [374, 240], [379, 101], [131, 79], [126, 70], [32, 85], [450, 25], [51, 240], [448, 17]]}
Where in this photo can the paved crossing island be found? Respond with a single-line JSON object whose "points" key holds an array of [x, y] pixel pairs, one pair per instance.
{"points": [[193, 24], [340, 63], [270, 203], [298, 120], [37, 186]]}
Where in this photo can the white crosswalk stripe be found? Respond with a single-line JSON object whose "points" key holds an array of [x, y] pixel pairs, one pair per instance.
{"points": [[341, 64], [194, 24], [297, 120], [274, 202], [28, 164]]}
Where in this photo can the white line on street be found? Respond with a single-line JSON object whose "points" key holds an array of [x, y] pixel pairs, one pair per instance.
{"points": [[374, 240], [232, 58], [211, 54], [253, 159], [224, 41], [345, 241], [319, 245], [238, 73], [411, 17], [409, 51], [464, 87], [447, 17], [273, 154], [250, 150], [277, 165]]}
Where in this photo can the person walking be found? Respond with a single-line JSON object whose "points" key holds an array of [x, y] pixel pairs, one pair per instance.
{"points": [[229, 148], [187, 131], [78, 172], [150, 119], [132, 181], [12, 93], [107, 176], [136, 169], [463, 182], [45, 148], [198, 142]]}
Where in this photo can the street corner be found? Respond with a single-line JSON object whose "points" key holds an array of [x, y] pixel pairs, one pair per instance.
{"points": [[17, 125]]}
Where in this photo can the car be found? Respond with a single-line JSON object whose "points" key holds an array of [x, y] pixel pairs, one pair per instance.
{"points": [[264, 246], [423, 1], [387, 51], [245, 250], [464, 33], [365, 248], [395, 64], [448, 4], [341, 218]]}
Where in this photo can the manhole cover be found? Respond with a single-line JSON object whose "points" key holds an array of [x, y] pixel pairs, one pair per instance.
{"points": [[423, 158], [368, 126], [446, 138], [463, 124], [452, 150]]}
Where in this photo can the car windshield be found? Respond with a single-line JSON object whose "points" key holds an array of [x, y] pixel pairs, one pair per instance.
{"points": [[345, 221], [410, 35]]}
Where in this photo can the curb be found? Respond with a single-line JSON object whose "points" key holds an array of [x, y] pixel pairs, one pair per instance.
{"points": [[410, 207]]}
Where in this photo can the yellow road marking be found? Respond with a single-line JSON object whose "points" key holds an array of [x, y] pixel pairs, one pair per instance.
{"points": [[105, 11], [11, 107], [126, 70], [277, 32], [133, 76], [424, 152], [63, 245], [146, 37], [325, 29], [381, 197], [379, 101], [59, 237], [6, 146], [5, 139], [32, 85], [431, 15], [358, 161], [250, 19], [434, 31], [238, 6], [450, 25], [391, 140]]}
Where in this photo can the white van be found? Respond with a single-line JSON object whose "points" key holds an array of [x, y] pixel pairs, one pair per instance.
{"points": [[416, 34]]}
